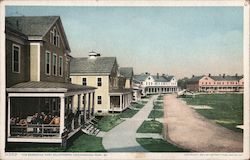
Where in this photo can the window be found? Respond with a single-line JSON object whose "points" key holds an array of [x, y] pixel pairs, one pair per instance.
{"points": [[84, 81], [54, 37], [60, 66], [47, 62], [99, 81], [54, 64], [16, 58], [51, 36], [99, 99]]}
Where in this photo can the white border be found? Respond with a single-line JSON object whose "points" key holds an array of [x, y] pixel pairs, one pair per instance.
{"points": [[194, 155]]}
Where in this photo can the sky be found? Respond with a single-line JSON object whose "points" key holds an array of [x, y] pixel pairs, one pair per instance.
{"points": [[180, 41]]}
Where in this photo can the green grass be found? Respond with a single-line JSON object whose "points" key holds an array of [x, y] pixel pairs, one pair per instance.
{"points": [[158, 145], [160, 97], [82, 143], [158, 106], [86, 143], [151, 126], [128, 113], [106, 123], [138, 105], [227, 108], [156, 114]]}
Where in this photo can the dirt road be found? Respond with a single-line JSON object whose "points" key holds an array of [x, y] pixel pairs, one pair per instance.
{"points": [[190, 130]]}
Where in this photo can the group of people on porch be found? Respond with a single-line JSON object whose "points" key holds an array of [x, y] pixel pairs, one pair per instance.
{"points": [[37, 118]]}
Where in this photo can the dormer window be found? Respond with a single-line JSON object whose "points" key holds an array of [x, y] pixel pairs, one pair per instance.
{"points": [[54, 37]]}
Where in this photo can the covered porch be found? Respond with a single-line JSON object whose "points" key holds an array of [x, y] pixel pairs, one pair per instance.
{"points": [[47, 112], [120, 99]]}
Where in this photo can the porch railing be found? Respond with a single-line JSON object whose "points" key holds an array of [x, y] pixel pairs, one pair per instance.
{"points": [[39, 130]]}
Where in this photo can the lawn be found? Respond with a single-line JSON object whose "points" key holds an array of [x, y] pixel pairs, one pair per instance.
{"points": [[158, 145], [158, 106], [227, 108], [160, 97], [81, 143], [86, 143], [151, 126], [108, 122], [128, 113], [156, 114], [138, 105]]}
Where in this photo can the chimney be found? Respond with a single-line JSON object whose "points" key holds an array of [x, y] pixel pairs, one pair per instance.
{"points": [[224, 75], [146, 72], [17, 25], [209, 75], [93, 55], [193, 76], [163, 74], [236, 75], [157, 75]]}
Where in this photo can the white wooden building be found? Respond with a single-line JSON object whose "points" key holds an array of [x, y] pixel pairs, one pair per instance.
{"points": [[155, 84]]}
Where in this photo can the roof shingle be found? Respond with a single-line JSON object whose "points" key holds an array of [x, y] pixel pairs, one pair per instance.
{"points": [[127, 72], [88, 66]]}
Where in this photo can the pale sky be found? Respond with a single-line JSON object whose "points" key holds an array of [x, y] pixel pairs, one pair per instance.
{"points": [[180, 41]]}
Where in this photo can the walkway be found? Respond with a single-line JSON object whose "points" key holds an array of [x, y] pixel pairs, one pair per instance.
{"points": [[188, 129], [122, 138]]}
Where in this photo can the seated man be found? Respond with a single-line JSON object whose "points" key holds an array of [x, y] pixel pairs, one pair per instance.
{"points": [[55, 120]]}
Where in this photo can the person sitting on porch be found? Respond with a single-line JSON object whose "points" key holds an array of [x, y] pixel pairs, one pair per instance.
{"points": [[47, 119], [12, 120], [23, 123], [55, 120]]}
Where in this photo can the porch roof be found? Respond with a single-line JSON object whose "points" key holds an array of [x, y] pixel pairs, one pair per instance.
{"points": [[120, 91], [48, 87]]}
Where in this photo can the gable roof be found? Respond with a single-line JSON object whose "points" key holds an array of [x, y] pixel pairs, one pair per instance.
{"points": [[35, 27], [31, 25], [127, 72], [86, 66], [226, 78], [160, 78], [141, 77], [195, 79]]}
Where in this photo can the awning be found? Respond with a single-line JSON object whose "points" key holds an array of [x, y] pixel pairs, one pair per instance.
{"points": [[120, 91], [46, 87]]}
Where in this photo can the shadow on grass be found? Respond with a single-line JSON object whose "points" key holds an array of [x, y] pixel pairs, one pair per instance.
{"points": [[78, 143], [158, 145]]}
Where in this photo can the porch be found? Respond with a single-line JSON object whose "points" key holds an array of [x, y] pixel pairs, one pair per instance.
{"points": [[46, 112], [120, 99]]}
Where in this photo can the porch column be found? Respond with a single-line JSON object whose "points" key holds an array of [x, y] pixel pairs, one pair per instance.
{"points": [[93, 103], [123, 102], [78, 101], [8, 116], [84, 105], [62, 110], [120, 101], [89, 104], [81, 101], [79, 108], [74, 103]]}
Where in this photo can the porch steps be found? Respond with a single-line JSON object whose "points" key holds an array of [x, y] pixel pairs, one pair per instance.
{"points": [[90, 129]]}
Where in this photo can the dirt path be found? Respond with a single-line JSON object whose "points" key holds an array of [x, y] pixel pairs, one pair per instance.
{"points": [[188, 129]]}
